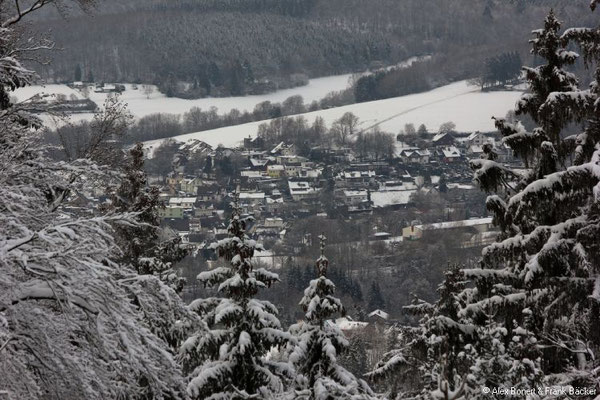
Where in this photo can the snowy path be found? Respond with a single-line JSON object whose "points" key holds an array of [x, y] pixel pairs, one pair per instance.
{"points": [[414, 109]]}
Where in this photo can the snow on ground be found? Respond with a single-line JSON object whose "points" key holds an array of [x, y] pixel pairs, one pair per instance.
{"points": [[140, 105], [466, 106]]}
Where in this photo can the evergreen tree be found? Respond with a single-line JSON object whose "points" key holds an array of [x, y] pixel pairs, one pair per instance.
{"points": [[541, 277], [77, 75], [433, 358], [229, 361], [90, 76], [375, 299], [443, 184], [151, 252], [146, 247], [319, 341]]}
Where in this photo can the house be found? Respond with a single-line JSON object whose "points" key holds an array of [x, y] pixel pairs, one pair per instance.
{"points": [[309, 173], [195, 146], [378, 317], [382, 236], [479, 139], [475, 150], [274, 205], [356, 179], [187, 203], [171, 212], [190, 185], [505, 153], [301, 190], [210, 192], [292, 170], [195, 225], [173, 180], [252, 175], [203, 209], [275, 171], [252, 198], [258, 164], [110, 88], [449, 154], [283, 149], [442, 139], [253, 142], [414, 156], [355, 197], [398, 185]]}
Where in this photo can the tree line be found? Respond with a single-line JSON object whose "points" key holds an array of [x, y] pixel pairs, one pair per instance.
{"points": [[258, 46]]}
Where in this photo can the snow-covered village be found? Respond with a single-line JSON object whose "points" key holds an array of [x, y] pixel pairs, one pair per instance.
{"points": [[299, 199]]}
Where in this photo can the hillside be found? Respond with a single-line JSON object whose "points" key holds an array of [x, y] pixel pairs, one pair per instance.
{"points": [[218, 47], [470, 109]]}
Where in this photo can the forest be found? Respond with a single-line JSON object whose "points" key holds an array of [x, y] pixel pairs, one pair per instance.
{"points": [[218, 48]]}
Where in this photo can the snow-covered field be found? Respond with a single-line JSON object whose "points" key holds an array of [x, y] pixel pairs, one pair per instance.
{"points": [[140, 105], [465, 105]]}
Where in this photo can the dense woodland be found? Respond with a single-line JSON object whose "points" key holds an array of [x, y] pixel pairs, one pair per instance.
{"points": [[194, 49]]}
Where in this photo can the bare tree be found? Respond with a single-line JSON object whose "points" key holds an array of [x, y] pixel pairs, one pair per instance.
{"points": [[96, 140], [15, 10], [344, 127], [147, 90]]}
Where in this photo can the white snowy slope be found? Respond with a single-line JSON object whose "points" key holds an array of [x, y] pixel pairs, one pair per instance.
{"points": [[140, 105], [465, 105]]}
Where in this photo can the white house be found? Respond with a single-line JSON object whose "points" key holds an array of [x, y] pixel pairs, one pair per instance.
{"points": [[355, 197], [301, 190]]}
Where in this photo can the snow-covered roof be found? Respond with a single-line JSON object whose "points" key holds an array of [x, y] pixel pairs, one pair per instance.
{"points": [[451, 152], [355, 193], [382, 234], [456, 224], [277, 148], [476, 148], [299, 187], [346, 324], [251, 174], [276, 167], [473, 136], [439, 137], [391, 197], [415, 153], [271, 200], [195, 145], [274, 219], [358, 174], [252, 195], [379, 313], [182, 200], [397, 185], [258, 163]]}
